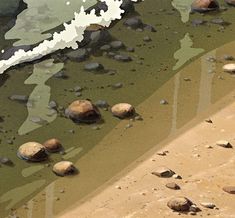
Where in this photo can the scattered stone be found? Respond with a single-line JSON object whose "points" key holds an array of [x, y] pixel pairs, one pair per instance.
{"points": [[105, 48], [130, 49], [176, 176], [64, 168], [77, 88], [117, 85], [38, 120], [128, 126], [100, 37], [224, 144], [163, 172], [52, 145], [78, 55], [230, 68], [163, 102], [204, 5], [187, 79], [208, 205], [102, 104], [208, 146], [134, 23], [123, 110], [116, 44], [6, 161], [61, 75], [149, 28], [194, 208], [197, 22], [219, 21], [123, 58], [179, 204], [118, 187], [19, 98], [52, 105], [162, 153], [83, 111], [229, 189], [228, 58], [208, 120], [32, 151], [147, 39], [94, 67], [173, 186]]}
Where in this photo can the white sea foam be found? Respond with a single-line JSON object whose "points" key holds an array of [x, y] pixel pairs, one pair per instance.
{"points": [[69, 37]]}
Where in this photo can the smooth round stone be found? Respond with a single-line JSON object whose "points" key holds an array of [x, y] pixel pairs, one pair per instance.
{"points": [[64, 168], [179, 204], [204, 5], [230, 68], [32, 151], [52, 145], [123, 110], [83, 111]]}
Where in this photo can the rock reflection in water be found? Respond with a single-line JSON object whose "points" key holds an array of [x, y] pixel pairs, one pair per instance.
{"points": [[38, 111]]}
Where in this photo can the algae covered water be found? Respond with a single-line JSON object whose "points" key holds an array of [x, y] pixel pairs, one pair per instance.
{"points": [[158, 59]]}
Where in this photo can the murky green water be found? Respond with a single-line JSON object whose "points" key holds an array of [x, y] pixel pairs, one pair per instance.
{"points": [[175, 44]]}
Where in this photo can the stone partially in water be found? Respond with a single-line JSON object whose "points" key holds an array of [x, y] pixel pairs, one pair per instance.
{"points": [[230, 68], [94, 67], [64, 168], [123, 110], [204, 5], [180, 204], [78, 55], [32, 151], [52, 145], [134, 23], [83, 111]]}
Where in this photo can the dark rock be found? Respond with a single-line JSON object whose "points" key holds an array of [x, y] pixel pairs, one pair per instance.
{"points": [[78, 55], [11, 51], [130, 49], [60, 75], [6, 161], [219, 21], [133, 23], [149, 28], [122, 58], [52, 105], [94, 67], [116, 44], [173, 186], [102, 104], [228, 58], [197, 22], [98, 38], [19, 98], [105, 47]]}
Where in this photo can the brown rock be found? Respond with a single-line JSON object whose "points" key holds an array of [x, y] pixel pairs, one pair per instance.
{"points": [[229, 189], [204, 5], [163, 172], [179, 204], [64, 168], [32, 151], [83, 111], [173, 186], [123, 110], [52, 145]]}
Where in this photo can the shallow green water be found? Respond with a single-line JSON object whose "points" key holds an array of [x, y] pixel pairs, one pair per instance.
{"points": [[174, 44]]}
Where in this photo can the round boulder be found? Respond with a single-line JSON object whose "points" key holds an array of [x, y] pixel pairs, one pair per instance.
{"points": [[180, 204], [123, 110], [52, 145], [64, 168], [32, 151], [204, 5], [83, 111]]}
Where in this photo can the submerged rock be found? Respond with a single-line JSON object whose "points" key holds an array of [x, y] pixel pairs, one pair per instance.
{"points": [[64, 168], [134, 23], [180, 204], [6, 161], [32, 151], [204, 5], [83, 111], [19, 98], [94, 66], [78, 55], [52, 145], [123, 110]]}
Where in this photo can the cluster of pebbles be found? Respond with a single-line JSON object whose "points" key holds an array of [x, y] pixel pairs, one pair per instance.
{"points": [[79, 111], [36, 152]]}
